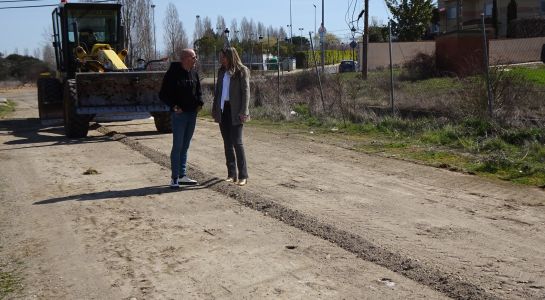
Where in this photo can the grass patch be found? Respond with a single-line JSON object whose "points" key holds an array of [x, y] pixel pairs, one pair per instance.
{"points": [[7, 108], [438, 85], [10, 282], [471, 145], [535, 75]]}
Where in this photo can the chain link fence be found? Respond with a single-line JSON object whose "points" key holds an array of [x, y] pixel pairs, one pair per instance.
{"points": [[413, 86]]}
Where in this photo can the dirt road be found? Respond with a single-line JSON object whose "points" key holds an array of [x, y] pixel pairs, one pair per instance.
{"points": [[316, 221]]}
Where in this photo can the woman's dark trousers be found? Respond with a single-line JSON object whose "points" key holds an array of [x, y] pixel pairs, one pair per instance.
{"points": [[232, 143]]}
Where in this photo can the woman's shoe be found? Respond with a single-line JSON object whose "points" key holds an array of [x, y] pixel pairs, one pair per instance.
{"points": [[242, 182], [230, 179]]}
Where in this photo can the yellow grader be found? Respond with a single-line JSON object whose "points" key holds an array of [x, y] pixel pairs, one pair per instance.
{"points": [[92, 77]]}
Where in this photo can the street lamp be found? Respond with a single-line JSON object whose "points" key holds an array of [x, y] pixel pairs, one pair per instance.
{"points": [[227, 43], [314, 18], [291, 34], [291, 31], [252, 49], [322, 34], [198, 27], [154, 37], [301, 38], [260, 38], [196, 37]]}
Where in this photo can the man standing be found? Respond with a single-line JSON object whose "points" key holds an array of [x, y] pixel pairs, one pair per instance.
{"points": [[181, 91]]}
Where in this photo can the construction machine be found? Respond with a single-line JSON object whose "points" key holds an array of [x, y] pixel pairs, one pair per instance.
{"points": [[92, 77]]}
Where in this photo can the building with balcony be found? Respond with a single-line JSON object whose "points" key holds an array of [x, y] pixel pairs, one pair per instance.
{"points": [[456, 15]]}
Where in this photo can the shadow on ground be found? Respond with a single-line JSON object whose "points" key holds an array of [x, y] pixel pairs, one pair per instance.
{"points": [[31, 131], [145, 191]]}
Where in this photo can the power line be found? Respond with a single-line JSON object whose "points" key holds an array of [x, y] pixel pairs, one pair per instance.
{"points": [[29, 6], [4, 1], [44, 5]]}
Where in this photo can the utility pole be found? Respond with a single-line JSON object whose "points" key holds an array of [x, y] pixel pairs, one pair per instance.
{"points": [[301, 39], [365, 41], [322, 37], [291, 25], [154, 37], [314, 20], [459, 21]]}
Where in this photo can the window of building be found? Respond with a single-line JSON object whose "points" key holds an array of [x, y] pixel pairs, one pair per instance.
{"points": [[488, 9], [542, 7], [451, 12]]}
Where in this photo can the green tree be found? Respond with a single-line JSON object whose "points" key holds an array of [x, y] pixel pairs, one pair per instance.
{"points": [[495, 24], [22, 68], [378, 33], [511, 11], [331, 40], [411, 19]]}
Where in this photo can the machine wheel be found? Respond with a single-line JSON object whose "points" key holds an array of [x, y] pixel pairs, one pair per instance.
{"points": [[75, 126], [49, 98], [162, 121]]}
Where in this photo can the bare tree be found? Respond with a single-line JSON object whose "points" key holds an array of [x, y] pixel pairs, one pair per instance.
{"points": [[144, 39], [207, 26], [220, 23], [37, 53], [129, 15], [245, 29], [234, 30], [48, 53], [271, 31], [48, 56], [261, 29], [175, 36], [138, 29], [199, 29], [282, 33]]}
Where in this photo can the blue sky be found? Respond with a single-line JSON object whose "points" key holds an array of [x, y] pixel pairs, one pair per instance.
{"points": [[24, 28]]}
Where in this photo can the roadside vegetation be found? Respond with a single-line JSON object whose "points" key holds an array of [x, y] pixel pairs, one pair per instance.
{"points": [[21, 68], [10, 280], [6, 108], [438, 120]]}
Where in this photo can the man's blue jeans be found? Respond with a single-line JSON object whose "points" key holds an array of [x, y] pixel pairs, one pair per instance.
{"points": [[183, 126]]}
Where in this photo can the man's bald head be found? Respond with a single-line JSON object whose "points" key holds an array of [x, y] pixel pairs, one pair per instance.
{"points": [[188, 58]]}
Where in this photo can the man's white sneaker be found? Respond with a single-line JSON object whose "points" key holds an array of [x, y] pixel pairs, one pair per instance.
{"points": [[186, 181], [174, 183]]}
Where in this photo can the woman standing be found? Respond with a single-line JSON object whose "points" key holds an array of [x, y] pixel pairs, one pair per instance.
{"points": [[230, 110]]}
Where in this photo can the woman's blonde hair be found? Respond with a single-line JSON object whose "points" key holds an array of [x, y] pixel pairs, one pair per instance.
{"points": [[234, 64]]}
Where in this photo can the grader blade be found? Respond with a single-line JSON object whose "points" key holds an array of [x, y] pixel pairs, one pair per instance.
{"points": [[115, 92]]}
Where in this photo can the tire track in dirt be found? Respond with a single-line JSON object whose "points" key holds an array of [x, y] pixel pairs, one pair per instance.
{"points": [[447, 283]]}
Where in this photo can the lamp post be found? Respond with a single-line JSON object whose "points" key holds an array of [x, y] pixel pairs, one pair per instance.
{"points": [[198, 27], [227, 42], [291, 31], [251, 50], [314, 19], [342, 50], [322, 37], [301, 39], [260, 39], [154, 37], [196, 42], [291, 35]]}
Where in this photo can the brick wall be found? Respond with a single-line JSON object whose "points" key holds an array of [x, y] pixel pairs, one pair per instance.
{"points": [[510, 51], [378, 54], [455, 52]]}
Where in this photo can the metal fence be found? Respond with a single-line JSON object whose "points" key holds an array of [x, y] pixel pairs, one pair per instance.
{"points": [[410, 86]]}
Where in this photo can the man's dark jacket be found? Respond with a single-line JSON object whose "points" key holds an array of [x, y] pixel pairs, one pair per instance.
{"points": [[181, 87]]}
